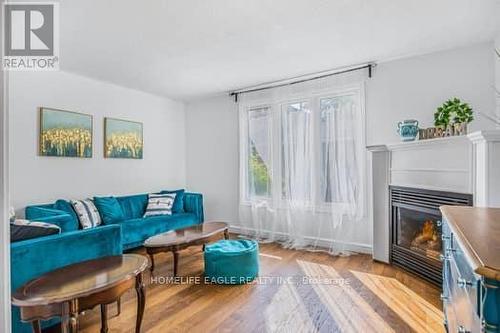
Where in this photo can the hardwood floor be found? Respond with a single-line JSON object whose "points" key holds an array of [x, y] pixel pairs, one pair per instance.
{"points": [[325, 294]]}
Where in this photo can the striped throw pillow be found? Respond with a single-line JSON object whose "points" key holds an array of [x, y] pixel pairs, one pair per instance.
{"points": [[87, 213], [160, 204]]}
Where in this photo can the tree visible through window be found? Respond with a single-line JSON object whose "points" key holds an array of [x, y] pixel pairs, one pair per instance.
{"points": [[259, 152]]}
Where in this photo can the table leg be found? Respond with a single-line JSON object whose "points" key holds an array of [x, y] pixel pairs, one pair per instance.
{"points": [[152, 262], [65, 317], [203, 248], [119, 306], [226, 233], [104, 318], [141, 301], [176, 261], [35, 324], [73, 320]]}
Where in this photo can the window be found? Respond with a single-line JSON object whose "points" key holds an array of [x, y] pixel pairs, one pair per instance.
{"points": [[337, 145], [295, 151], [307, 151], [259, 152]]}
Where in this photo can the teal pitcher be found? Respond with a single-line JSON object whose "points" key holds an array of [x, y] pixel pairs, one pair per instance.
{"points": [[408, 129]]}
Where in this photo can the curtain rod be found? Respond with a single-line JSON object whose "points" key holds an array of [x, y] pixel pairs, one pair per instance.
{"points": [[369, 66]]}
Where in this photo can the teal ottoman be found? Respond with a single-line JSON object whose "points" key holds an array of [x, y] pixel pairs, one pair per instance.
{"points": [[231, 261]]}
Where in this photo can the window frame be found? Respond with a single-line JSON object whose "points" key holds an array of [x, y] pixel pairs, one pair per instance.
{"points": [[245, 195], [358, 93], [275, 107]]}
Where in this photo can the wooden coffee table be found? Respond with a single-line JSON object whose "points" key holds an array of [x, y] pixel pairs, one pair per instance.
{"points": [[69, 290], [176, 240]]}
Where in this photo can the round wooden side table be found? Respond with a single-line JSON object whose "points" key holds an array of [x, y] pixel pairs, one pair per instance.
{"points": [[69, 290]]}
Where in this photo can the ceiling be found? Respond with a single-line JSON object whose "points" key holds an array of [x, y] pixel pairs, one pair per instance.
{"points": [[187, 49]]}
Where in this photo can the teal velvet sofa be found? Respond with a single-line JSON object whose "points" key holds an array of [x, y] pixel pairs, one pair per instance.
{"points": [[134, 228], [34, 257]]}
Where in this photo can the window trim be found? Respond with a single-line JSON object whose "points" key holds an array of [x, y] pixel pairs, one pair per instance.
{"points": [[275, 108]]}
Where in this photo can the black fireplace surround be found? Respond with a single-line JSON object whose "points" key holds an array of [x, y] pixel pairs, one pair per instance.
{"points": [[416, 229]]}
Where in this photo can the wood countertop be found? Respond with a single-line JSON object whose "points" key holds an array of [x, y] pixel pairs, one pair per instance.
{"points": [[478, 230]]}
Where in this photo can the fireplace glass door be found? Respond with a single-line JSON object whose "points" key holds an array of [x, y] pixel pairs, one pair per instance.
{"points": [[415, 233], [418, 232]]}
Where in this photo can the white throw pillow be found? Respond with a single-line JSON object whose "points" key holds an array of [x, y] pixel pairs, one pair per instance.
{"points": [[160, 204]]}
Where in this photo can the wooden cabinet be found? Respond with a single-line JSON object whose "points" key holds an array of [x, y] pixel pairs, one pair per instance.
{"points": [[471, 269]]}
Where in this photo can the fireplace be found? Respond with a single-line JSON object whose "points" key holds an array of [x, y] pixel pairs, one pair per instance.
{"points": [[416, 229]]}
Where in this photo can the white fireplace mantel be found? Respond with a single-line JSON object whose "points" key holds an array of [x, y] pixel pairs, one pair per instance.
{"points": [[487, 168], [461, 164]]}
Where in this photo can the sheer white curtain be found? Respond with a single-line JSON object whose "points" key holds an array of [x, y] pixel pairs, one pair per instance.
{"points": [[302, 163]]}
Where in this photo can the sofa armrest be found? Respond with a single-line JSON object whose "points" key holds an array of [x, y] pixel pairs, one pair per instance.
{"points": [[193, 203], [41, 211], [48, 214], [34, 257]]}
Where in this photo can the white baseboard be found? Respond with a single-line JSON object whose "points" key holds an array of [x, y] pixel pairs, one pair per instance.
{"points": [[321, 242]]}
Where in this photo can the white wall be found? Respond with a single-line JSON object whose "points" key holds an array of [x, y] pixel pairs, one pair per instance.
{"points": [[413, 88], [404, 89], [37, 179], [212, 158]]}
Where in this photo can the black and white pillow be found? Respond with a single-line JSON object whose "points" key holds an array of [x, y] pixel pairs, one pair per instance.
{"points": [[24, 229], [87, 213], [160, 204]]}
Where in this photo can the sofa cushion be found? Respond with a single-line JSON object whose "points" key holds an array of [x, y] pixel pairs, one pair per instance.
{"points": [[179, 200], [109, 208], [136, 231], [66, 207], [160, 204], [87, 213], [25, 229], [133, 206]]}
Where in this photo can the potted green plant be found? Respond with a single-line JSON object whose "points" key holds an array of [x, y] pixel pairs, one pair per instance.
{"points": [[453, 116]]}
